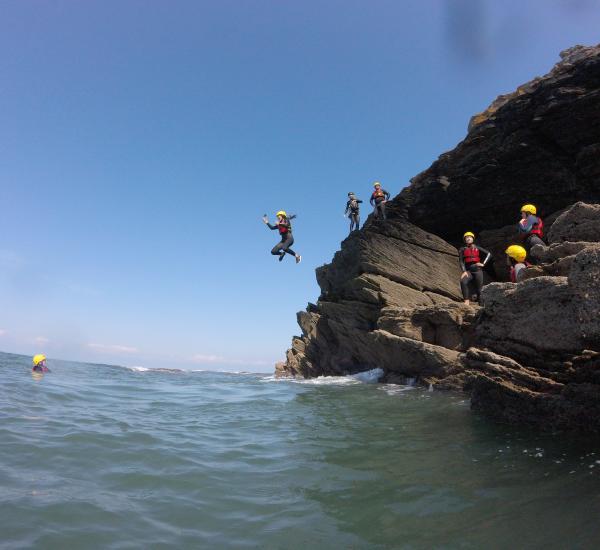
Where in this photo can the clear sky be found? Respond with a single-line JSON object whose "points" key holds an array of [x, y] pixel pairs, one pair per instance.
{"points": [[142, 141]]}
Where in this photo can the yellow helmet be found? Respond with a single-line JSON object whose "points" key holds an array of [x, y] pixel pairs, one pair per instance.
{"points": [[281, 213], [529, 208], [516, 252], [468, 234], [377, 184], [37, 359]]}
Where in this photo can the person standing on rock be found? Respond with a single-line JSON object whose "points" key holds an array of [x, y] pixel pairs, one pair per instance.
{"points": [[531, 227], [378, 199], [469, 258], [284, 227], [515, 256], [353, 211]]}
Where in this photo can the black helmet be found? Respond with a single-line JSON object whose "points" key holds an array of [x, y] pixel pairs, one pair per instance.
{"points": [[351, 193]]}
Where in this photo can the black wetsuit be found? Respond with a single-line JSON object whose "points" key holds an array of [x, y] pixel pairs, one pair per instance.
{"points": [[287, 240], [354, 209], [475, 273], [377, 201]]}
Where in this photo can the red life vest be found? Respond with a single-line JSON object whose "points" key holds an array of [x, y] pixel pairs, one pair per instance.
{"points": [[471, 255], [284, 228], [378, 194], [538, 228]]}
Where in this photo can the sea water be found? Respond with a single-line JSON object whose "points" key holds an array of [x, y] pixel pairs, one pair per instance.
{"points": [[96, 456]]}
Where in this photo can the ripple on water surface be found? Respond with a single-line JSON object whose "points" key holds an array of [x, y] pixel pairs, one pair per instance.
{"points": [[110, 457]]}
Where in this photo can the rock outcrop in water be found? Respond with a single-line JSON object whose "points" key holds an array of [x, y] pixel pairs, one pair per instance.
{"points": [[390, 298]]}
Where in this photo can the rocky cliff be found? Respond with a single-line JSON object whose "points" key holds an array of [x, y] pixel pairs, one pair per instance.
{"points": [[390, 297]]}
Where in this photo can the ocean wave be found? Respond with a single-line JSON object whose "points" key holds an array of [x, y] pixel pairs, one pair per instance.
{"points": [[366, 377], [156, 369], [183, 371], [394, 389]]}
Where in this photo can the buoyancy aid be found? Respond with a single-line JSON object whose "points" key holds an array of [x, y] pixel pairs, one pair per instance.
{"points": [[284, 227], [538, 228], [378, 194], [471, 255]]}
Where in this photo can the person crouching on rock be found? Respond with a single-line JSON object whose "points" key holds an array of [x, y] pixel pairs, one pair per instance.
{"points": [[515, 257], [469, 257], [284, 227], [378, 199], [353, 211], [531, 227]]}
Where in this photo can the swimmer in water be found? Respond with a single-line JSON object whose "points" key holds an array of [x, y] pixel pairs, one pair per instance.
{"points": [[39, 363]]}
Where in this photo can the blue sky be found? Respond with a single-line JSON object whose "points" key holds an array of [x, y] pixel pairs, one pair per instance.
{"points": [[142, 141]]}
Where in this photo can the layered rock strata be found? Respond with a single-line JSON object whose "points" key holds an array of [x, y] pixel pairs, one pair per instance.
{"points": [[390, 298]]}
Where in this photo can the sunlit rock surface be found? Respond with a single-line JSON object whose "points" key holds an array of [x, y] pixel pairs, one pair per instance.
{"points": [[391, 299]]}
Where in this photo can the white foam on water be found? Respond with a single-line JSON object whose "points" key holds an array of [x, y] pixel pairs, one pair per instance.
{"points": [[365, 377], [369, 376], [395, 389], [181, 371], [155, 369]]}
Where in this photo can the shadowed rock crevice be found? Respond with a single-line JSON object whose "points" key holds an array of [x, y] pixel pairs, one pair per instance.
{"points": [[390, 298]]}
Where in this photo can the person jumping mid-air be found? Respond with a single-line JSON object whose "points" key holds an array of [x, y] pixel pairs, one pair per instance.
{"points": [[284, 227], [378, 199], [353, 211]]}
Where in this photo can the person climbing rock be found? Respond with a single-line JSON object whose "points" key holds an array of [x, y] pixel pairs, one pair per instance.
{"points": [[515, 257], [378, 199], [353, 211], [284, 227], [469, 258], [39, 363], [531, 227]]}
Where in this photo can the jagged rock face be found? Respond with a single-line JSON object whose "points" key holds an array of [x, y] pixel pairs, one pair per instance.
{"points": [[381, 269], [540, 145], [532, 322], [580, 223], [396, 252], [584, 280], [551, 326], [390, 298], [556, 259]]}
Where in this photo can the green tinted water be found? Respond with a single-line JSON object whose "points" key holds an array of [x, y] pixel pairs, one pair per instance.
{"points": [[105, 457]]}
